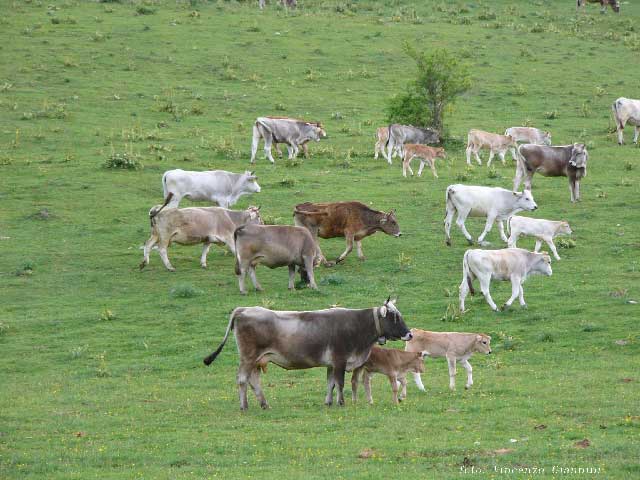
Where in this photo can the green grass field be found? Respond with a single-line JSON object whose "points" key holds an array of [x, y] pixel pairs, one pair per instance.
{"points": [[101, 371]]}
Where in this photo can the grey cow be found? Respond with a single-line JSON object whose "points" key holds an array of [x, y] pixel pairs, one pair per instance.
{"points": [[401, 134], [339, 339], [284, 130]]}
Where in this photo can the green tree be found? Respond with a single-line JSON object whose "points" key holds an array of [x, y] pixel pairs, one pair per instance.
{"points": [[441, 78]]}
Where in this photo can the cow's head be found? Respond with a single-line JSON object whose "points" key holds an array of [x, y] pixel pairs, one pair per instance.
{"points": [[541, 264], [440, 152], [254, 216], [482, 343], [615, 5], [524, 200], [389, 224], [392, 323], [546, 138], [250, 182], [416, 363], [579, 156], [322, 133], [511, 141], [564, 228]]}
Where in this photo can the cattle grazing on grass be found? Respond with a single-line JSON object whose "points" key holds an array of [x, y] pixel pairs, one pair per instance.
{"points": [[626, 110], [395, 364], [494, 203], [190, 226], [216, 186], [562, 161], [427, 155], [614, 4], [494, 142], [542, 230], [339, 339], [529, 135], [399, 135], [274, 246], [284, 130], [456, 347], [382, 135], [304, 145], [351, 220], [284, 3], [508, 264]]}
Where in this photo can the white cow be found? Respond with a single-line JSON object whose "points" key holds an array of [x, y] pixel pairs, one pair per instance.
{"points": [[626, 110], [508, 264], [217, 186], [543, 230], [529, 135], [497, 204]]}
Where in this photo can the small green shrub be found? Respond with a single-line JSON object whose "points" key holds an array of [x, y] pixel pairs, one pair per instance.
{"points": [[144, 10], [545, 337], [565, 243], [4, 328], [184, 290], [25, 269], [107, 315], [332, 279], [124, 161], [287, 182]]}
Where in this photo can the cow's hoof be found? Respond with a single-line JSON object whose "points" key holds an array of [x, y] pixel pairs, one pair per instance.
{"points": [[171, 269], [470, 242], [504, 307], [339, 260], [264, 406], [524, 306], [448, 243], [243, 293], [484, 243], [204, 266], [329, 264], [362, 259], [142, 265], [467, 387]]}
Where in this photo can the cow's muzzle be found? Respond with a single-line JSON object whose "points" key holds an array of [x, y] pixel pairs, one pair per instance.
{"points": [[407, 337], [399, 234]]}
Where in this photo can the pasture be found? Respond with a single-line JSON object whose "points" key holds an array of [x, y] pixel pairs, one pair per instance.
{"points": [[101, 368]]}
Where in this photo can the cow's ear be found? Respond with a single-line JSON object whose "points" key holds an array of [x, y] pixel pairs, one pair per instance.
{"points": [[515, 194], [424, 354], [383, 311], [383, 219], [478, 338]]}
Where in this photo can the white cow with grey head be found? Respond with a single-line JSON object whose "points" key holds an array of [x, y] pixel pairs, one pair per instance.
{"points": [[284, 130]]}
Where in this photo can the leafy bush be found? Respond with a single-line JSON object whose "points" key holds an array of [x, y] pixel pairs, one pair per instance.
{"points": [[125, 161], [333, 279], [184, 290]]}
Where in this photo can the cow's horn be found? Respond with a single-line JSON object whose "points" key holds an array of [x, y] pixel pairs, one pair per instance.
{"points": [[389, 298]]}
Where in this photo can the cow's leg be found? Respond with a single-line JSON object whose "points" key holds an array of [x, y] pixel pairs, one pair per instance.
{"points": [[467, 366], [577, 190], [620, 128], [475, 152], [515, 291], [256, 138], [521, 294], [517, 179], [330, 384], [367, 386], [513, 239], [254, 279], [308, 265], [636, 133], [452, 372], [268, 140], [432, 166], [305, 149], [491, 155], [360, 253], [153, 239], [354, 384], [391, 147], [485, 282], [464, 291], [421, 167], [406, 165], [502, 154], [418, 379], [254, 381], [338, 373], [487, 228], [538, 245], [403, 384], [377, 150], [278, 150], [205, 252], [552, 246], [292, 276], [244, 372], [503, 237], [468, 154], [448, 218], [528, 180], [242, 272], [393, 380], [514, 156], [293, 153], [462, 216], [162, 250], [349, 238]]}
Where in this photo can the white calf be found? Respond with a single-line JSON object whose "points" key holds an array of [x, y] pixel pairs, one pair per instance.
{"points": [[543, 230]]}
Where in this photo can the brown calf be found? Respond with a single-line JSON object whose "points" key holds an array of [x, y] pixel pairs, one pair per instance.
{"points": [[395, 364], [425, 154]]}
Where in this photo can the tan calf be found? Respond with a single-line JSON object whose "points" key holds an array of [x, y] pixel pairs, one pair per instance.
{"points": [[425, 154], [395, 364], [455, 347], [382, 135], [494, 142]]}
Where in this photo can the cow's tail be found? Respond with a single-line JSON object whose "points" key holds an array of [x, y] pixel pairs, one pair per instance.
{"points": [[447, 200], [153, 213], [509, 225], [238, 231], [210, 358], [164, 184], [616, 117], [466, 273]]}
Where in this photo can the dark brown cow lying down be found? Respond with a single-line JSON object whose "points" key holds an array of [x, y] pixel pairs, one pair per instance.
{"points": [[565, 161], [351, 220], [338, 338]]}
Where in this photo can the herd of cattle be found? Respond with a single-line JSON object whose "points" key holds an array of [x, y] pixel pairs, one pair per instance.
{"points": [[343, 339]]}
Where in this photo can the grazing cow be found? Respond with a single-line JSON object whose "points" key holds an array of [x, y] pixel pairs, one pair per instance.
{"points": [[425, 154], [382, 135], [219, 186], [614, 4], [400, 135], [564, 161], [494, 142], [395, 364], [190, 226], [497, 204], [284, 130], [456, 347], [338, 338], [274, 246], [508, 264], [626, 110], [529, 135], [285, 3], [351, 220], [305, 146], [543, 230]]}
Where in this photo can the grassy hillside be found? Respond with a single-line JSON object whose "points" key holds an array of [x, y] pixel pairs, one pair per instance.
{"points": [[101, 372]]}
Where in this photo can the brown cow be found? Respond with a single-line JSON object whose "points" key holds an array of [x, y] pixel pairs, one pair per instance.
{"points": [[190, 226], [395, 364], [425, 154], [274, 246], [614, 4], [351, 220], [564, 161]]}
